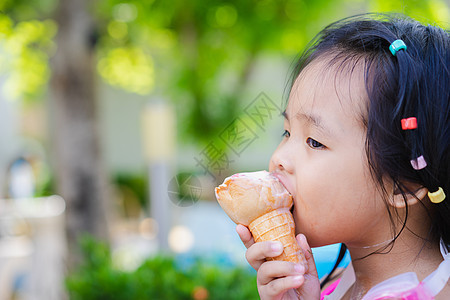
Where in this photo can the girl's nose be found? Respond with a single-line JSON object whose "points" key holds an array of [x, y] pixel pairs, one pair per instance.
{"points": [[280, 160]]}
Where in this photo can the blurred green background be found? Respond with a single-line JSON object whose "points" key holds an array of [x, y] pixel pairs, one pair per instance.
{"points": [[81, 83]]}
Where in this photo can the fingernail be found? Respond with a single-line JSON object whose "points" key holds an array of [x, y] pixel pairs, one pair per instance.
{"points": [[277, 247], [299, 268]]}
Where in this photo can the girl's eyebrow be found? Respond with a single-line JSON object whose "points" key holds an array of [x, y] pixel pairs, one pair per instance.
{"points": [[313, 120]]}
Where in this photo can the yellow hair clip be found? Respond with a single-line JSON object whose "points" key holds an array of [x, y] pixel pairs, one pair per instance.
{"points": [[438, 196]]}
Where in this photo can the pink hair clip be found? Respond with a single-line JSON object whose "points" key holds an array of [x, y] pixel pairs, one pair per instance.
{"points": [[418, 163], [409, 123]]}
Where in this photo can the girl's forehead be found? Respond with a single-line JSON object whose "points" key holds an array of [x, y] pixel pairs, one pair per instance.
{"points": [[328, 79]]}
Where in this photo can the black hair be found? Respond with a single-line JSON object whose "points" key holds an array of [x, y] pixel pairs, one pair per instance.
{"points": [[413, 83]]}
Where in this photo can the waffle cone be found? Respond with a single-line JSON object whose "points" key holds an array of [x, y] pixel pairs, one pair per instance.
{"points": [[278, 225]]}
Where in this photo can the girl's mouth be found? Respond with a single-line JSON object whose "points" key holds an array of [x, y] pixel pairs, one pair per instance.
{"points": [[282, 181], [280, 178]]}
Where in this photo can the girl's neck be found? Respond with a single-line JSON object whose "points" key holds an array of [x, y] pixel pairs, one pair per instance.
{"points": [[408, 254]]}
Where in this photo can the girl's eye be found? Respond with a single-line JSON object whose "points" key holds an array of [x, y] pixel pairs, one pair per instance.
{"points": [[286, 134], [314, 144]]}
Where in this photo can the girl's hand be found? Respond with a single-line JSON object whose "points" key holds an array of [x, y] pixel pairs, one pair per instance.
{"points": [[280, 280]]}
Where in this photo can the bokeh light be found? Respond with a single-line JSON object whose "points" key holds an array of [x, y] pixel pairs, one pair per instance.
{"points": [[181, 239]]}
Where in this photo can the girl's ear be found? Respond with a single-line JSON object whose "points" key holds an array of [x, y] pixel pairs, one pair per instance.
{"points": [[418, 193]]}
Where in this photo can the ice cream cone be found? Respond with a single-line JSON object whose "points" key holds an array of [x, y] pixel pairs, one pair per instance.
{"points": [[278, 225], [259, 200]]}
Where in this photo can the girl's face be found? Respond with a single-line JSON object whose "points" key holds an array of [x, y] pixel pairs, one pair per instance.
{"points": [[322, 159]]}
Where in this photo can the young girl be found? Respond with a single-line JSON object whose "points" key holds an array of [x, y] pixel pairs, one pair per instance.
{"points": [[365, 155]]}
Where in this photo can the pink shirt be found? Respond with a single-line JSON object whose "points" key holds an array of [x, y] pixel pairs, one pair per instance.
{"points": [[329, 289]]}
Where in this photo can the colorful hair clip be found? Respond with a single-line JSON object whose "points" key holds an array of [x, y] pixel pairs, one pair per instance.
{"points": [[438, 196], [409, 123], [419, 163], [396, 46]]}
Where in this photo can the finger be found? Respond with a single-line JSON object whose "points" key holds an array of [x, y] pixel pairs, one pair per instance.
{"points": [[281, 285], [258, 252], [245, 235], [311, 265], [271, 270]]}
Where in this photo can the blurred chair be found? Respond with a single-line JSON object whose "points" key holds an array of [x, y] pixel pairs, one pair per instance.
{"points": [[32, 248]]}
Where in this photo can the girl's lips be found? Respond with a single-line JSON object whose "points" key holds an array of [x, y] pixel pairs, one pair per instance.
{"points": [[282, 180]]}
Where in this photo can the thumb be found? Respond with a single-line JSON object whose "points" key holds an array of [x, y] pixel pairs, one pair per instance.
{"points": [[312, 270]]}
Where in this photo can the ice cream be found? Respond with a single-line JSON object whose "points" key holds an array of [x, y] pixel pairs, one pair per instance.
{"points": [[259, 200]]}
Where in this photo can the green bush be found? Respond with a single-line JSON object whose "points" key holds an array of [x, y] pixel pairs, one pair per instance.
{"points": [[136, 182], [157, 278]]}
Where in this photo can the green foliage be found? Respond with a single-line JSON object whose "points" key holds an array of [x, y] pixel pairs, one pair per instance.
{"points": [[204, 52], [225, 283], [25, 10], [135, 183], [156, 278], [132, 61], [427, 12], [199, 54], [25, 48]]}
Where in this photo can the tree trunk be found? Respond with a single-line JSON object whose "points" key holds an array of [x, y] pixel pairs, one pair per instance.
{"points": [[77, 157]]}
